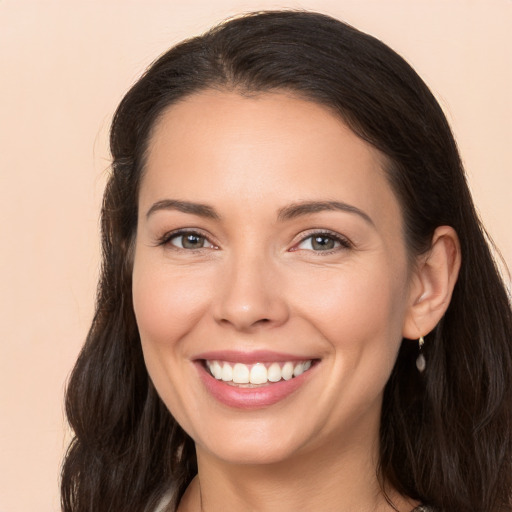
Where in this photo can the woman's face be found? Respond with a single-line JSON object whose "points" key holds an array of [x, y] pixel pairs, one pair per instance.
{"points": [[269, 243]]}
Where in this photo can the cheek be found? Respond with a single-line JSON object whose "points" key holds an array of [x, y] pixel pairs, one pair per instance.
{"points": [[356, 310], [168, 302]]}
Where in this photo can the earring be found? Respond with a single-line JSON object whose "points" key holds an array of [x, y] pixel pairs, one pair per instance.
{"points": [[421, 364]]}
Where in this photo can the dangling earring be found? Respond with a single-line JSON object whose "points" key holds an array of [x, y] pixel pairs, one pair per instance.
{"points": [[421, 364]]}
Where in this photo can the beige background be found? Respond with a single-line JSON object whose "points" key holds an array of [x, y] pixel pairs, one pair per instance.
{"points": [[64, 66]]}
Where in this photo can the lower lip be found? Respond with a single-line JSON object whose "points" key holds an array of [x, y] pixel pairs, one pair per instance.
{"points": [[250, 398]]}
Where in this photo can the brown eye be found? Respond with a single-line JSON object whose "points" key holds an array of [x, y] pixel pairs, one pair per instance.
{"points": [[322, 243], [189, 241], [319, 242]]}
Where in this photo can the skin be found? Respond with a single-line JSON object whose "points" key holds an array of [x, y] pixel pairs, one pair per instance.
{"points": [[257, 283]]}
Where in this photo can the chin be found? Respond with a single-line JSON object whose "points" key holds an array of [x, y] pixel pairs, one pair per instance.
{"points": [[249, 453]]}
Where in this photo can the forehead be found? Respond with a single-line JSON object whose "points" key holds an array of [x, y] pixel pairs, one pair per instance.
{"points": [[222, 146]]}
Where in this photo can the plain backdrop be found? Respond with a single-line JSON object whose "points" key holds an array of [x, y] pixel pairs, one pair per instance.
{"points": [[64, 66]]}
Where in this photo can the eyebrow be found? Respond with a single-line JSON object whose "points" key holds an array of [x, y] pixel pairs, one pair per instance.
{"points": [[287, 213], [308, 207], [202, 210]]}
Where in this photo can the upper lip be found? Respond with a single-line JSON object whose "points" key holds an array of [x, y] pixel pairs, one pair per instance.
{"points": [[253, 357]]}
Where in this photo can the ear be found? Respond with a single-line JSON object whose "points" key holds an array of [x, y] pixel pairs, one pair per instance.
{"points": [[432, 283]]}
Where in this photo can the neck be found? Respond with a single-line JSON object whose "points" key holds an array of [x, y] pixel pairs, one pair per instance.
{"points": [[331, 479]]}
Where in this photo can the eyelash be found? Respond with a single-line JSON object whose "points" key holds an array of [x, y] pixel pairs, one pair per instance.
{"points": [[167, 237], [343, 242]]}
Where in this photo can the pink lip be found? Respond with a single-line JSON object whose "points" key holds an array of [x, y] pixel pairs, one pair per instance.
{"points": [[250, 398], [257, 356]]}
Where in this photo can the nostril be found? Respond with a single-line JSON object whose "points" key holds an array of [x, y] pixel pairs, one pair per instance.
{"points": [[240, 324], [246, 308], [262, 321]]}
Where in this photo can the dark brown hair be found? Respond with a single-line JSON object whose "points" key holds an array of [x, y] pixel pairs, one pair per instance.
{"points": [[446, 434]]}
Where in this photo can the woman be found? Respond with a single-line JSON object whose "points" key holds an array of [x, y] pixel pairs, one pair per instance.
{"points": [[298, 307]]}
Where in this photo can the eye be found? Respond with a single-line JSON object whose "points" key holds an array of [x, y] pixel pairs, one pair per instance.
{"points": [[323, 242], [187, 240]]}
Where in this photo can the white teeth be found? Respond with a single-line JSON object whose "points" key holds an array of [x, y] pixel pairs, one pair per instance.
{"points": [[258, 373], [216, 370], [287, 371], [274, 372], [298, 370], [240, 374], [227, 372]]}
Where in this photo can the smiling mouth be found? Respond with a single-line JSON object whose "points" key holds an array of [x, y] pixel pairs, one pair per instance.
{"points": [[258, 374]]}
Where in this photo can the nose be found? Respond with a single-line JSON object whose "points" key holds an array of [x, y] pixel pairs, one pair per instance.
{"points": [[250, 296]]}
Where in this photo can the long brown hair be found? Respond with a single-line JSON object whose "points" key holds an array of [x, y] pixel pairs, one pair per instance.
{"points": [[446, 434]]}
